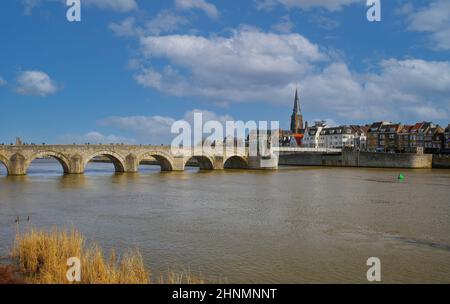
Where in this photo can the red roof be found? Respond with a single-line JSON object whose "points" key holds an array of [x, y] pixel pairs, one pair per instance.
{"points": [[298, 138], [417, 126]]}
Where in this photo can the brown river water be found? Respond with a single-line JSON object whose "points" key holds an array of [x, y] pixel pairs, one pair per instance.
{"points": [[294, 225]]}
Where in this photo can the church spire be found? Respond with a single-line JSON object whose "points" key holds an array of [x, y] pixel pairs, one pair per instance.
{"points": [[297, 117], [297, 109]]}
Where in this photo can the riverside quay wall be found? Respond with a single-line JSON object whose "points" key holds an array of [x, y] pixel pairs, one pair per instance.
{"points": [[357, 159], [441, 161]]}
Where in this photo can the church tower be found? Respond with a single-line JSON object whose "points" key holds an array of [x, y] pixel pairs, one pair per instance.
{"points": [[297, 117]]}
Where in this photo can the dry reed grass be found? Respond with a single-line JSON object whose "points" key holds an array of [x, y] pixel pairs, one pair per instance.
{"points": [[174, 278], [42, 259]]}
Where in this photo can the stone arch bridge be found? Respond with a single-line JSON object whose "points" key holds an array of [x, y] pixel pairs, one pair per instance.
{"points": [[74, 158]]}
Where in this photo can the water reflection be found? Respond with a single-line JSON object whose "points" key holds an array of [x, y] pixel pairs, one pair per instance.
{"points": [[73, 181], [93, 168], [3, 171]]}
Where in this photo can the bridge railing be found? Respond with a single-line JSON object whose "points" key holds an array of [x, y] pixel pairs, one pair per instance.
{"points": [[181, 151], [306, 150], [216, 151]]}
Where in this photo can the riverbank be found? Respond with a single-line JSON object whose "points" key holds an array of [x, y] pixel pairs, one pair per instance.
{"points": [[441, 161], [10, 275], [358, 159], [344, 159]]}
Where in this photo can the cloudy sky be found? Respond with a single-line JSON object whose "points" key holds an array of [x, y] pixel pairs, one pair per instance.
{"points": [[131, 68]]}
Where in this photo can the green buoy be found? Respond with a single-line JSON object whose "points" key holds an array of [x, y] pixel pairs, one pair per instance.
{"points": [[401, 177]]}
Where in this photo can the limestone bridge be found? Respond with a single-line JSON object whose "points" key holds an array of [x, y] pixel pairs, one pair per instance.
{"points": [[74, 158]]}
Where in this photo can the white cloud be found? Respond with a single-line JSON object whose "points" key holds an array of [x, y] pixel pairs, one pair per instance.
{"points": [[235, 68], [164, 22], [209, 9], [433, 19], [122, 6], [146, 126], [96, 138], [284, 26], [254, 66], [157, 129], [429, 112], [207, 116], [126, 28], [331, 5], [29, 5], [399, 85], [114, 5], [324, 22], [2, 81], [330, 122], [35, 83]]}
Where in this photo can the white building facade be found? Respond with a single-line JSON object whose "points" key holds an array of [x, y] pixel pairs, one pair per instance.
{"points": [[343, 137], [311, 137]]}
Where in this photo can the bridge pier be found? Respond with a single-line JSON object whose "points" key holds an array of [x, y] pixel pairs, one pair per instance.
{"points": [[178, 163], [17, 165], [219, 163], [263, 163], [76, 165], [131, 164]]}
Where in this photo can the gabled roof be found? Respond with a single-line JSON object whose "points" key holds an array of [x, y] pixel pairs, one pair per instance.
{"points": [[338, 130], [426, 125], [314, 129], [405, 129], [375, 127], [387, 128], [416, 127], [435, 130], [359, 129]]}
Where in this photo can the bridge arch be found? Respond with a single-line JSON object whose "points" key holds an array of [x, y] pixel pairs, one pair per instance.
{"points": [[205, 162], [164, 160], [61, 158], [236, 162], [117, 160], [5, 162]]}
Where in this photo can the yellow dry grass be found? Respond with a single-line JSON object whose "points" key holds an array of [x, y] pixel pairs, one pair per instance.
{"points": [[172, 277], [42, 258]]}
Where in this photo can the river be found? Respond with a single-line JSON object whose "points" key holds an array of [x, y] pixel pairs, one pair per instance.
{"points": [[294, 225]]}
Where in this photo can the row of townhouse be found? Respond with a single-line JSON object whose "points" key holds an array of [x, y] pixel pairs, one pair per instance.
{"points": [[379, 137], [395, 137], [342, 137]]}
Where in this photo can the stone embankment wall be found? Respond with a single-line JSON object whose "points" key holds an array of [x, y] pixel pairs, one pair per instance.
{"points": [[357, 159], [441, 161]]}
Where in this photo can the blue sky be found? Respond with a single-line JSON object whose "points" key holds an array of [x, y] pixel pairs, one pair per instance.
{"points": [[131, 68]]}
